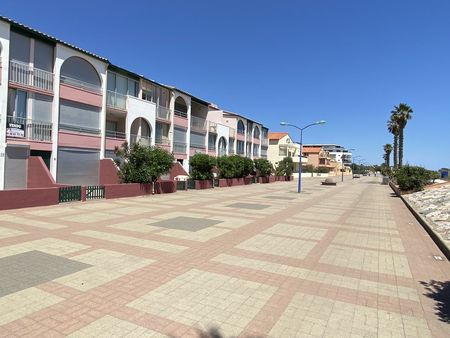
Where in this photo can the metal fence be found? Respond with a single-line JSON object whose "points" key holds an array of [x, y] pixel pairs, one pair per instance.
{"points": [[29, 129], [69, 194], [24, 74], [95, 192], [181, 185]]}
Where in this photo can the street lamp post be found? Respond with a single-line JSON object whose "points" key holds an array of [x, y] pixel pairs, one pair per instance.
{"points": [[301, 147]]}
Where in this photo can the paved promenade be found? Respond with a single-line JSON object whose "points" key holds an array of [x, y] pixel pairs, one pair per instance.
{"points": [[257, 261]]}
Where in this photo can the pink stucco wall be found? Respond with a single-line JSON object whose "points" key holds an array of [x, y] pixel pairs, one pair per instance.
{"points": [[34, 145], [78, 140], [240, 137], [111, 143], [80, 95], [180, 121]]}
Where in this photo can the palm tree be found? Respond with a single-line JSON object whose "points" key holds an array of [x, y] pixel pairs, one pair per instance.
{"points": [[404, 114], [393, 128], [387, 154]]}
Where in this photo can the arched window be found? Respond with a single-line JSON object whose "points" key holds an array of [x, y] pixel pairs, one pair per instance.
{"points": [[78, 72], [256, 132], [141, 131], [181, 107], [222, 146], [240, 127]]}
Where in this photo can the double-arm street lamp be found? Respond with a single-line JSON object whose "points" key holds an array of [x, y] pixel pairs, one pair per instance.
{"points": [[301, 147]]}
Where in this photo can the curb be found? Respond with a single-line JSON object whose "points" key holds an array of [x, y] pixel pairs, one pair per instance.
{"points": [[437, 239]]}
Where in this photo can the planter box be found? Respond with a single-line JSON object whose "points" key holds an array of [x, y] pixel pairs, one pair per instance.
{"points": [[224, 182], [263, 179], [237, 181], [248, 180], [204, 184], [165, 187]]}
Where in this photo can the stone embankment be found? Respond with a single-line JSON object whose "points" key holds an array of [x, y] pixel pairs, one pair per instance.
{"points": [[434, 206]]}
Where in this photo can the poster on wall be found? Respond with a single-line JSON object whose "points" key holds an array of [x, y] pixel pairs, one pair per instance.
{"points": [[15, 129]]}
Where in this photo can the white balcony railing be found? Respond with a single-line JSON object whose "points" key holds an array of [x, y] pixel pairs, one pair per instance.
{"points": [[116, 100], [24, 74], [116, 134], [81, 84], [163, 113], [144, 140], [162, 140], [198, 123], [28, 129], [181, 113], [212, 127], [179, 147]]}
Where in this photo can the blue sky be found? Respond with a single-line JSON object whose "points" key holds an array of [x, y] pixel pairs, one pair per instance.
{"points": [[348, 61]]}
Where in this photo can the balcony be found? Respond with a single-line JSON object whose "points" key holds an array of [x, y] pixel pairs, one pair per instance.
{"points": [[116, 100], [181, 113], [241, 131], [81, 84], [116, 134], [197, 123], [232, 133], [249, 138], [162, 140], [23, 74], [144, 140], [179, 147], [264, 141], [163, 113], [18, 127], [212, 127]]}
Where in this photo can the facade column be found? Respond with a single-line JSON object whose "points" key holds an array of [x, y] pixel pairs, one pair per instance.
{"points": [[4, 76]]}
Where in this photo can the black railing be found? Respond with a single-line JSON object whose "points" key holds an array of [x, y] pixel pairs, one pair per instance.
{"points": [[69, 194]]}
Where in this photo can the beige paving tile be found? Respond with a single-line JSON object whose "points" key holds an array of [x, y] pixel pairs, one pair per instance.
{"points": [[383, 289], [31, 222], [109, 326], [133, 241], [90, 217], [52, 246], [203, 235], [141, 225], [371, 241], [367, 260], [8, 232], [288, 247], [19, 304], [204, 299], [315, 316], [131, 211], [298, 231], [106, 266]]}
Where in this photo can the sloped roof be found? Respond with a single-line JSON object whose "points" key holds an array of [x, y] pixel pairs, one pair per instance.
{"points": [[277, 135], [311, 150]]}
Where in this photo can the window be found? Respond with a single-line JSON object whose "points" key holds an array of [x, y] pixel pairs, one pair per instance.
{"points": [[122, 85], [43, 56], [212, 141], [197, 140], [111, 125], [42, 108], [147, 96], [282, 152], [79, 72], [19, 47], [17, 103], [180, 107], [179, 135], [256, 133], [240, 127], [231, 143], [79, 116], [240, 147]]}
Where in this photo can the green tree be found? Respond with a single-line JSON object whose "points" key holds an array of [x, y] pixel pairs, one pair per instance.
{"points": [[413, 178], [143, 164], [201, 166], [404, 114], [263, 167], [387, 154], [393, 128], [285, 167]]}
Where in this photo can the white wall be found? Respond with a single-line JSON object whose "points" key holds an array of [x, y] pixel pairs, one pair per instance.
{"points": [[4, 41], [140, 108], [62, 53], [222, 131]]}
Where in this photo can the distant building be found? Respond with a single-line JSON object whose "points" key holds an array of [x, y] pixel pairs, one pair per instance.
{"points": [[336, 152], [281, 145]]}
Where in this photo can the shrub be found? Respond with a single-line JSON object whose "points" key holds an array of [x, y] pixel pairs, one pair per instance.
{"points": [[263, 166], [308, 168], [248, 166], [322, 170], [201, 166], [412, 178], [226, 167], [143, 164], [285, 167]]}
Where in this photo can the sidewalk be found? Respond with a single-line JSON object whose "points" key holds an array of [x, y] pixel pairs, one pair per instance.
{"points": [[340, 261]]}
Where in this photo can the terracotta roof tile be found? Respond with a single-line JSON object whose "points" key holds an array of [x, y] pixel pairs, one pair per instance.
{"points": [[277, 136]]}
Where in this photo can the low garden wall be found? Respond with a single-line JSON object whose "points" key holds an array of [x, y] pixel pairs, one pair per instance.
{"points": [[204, 184], [24, 198]]}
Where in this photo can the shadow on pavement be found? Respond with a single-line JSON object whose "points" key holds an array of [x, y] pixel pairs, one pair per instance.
{"points": [[214, 332], [440, 292]]}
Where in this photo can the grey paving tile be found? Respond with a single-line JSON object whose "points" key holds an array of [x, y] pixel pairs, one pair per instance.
{"points": [[28, 269], [186, 223]]}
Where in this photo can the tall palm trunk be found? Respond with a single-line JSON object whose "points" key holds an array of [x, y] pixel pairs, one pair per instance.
{"points": [[388, 160], [395, 151], [400, 147]]}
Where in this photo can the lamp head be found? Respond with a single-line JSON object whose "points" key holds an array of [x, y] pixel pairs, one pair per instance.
{"points": [[283, 123], [321, 122]]}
